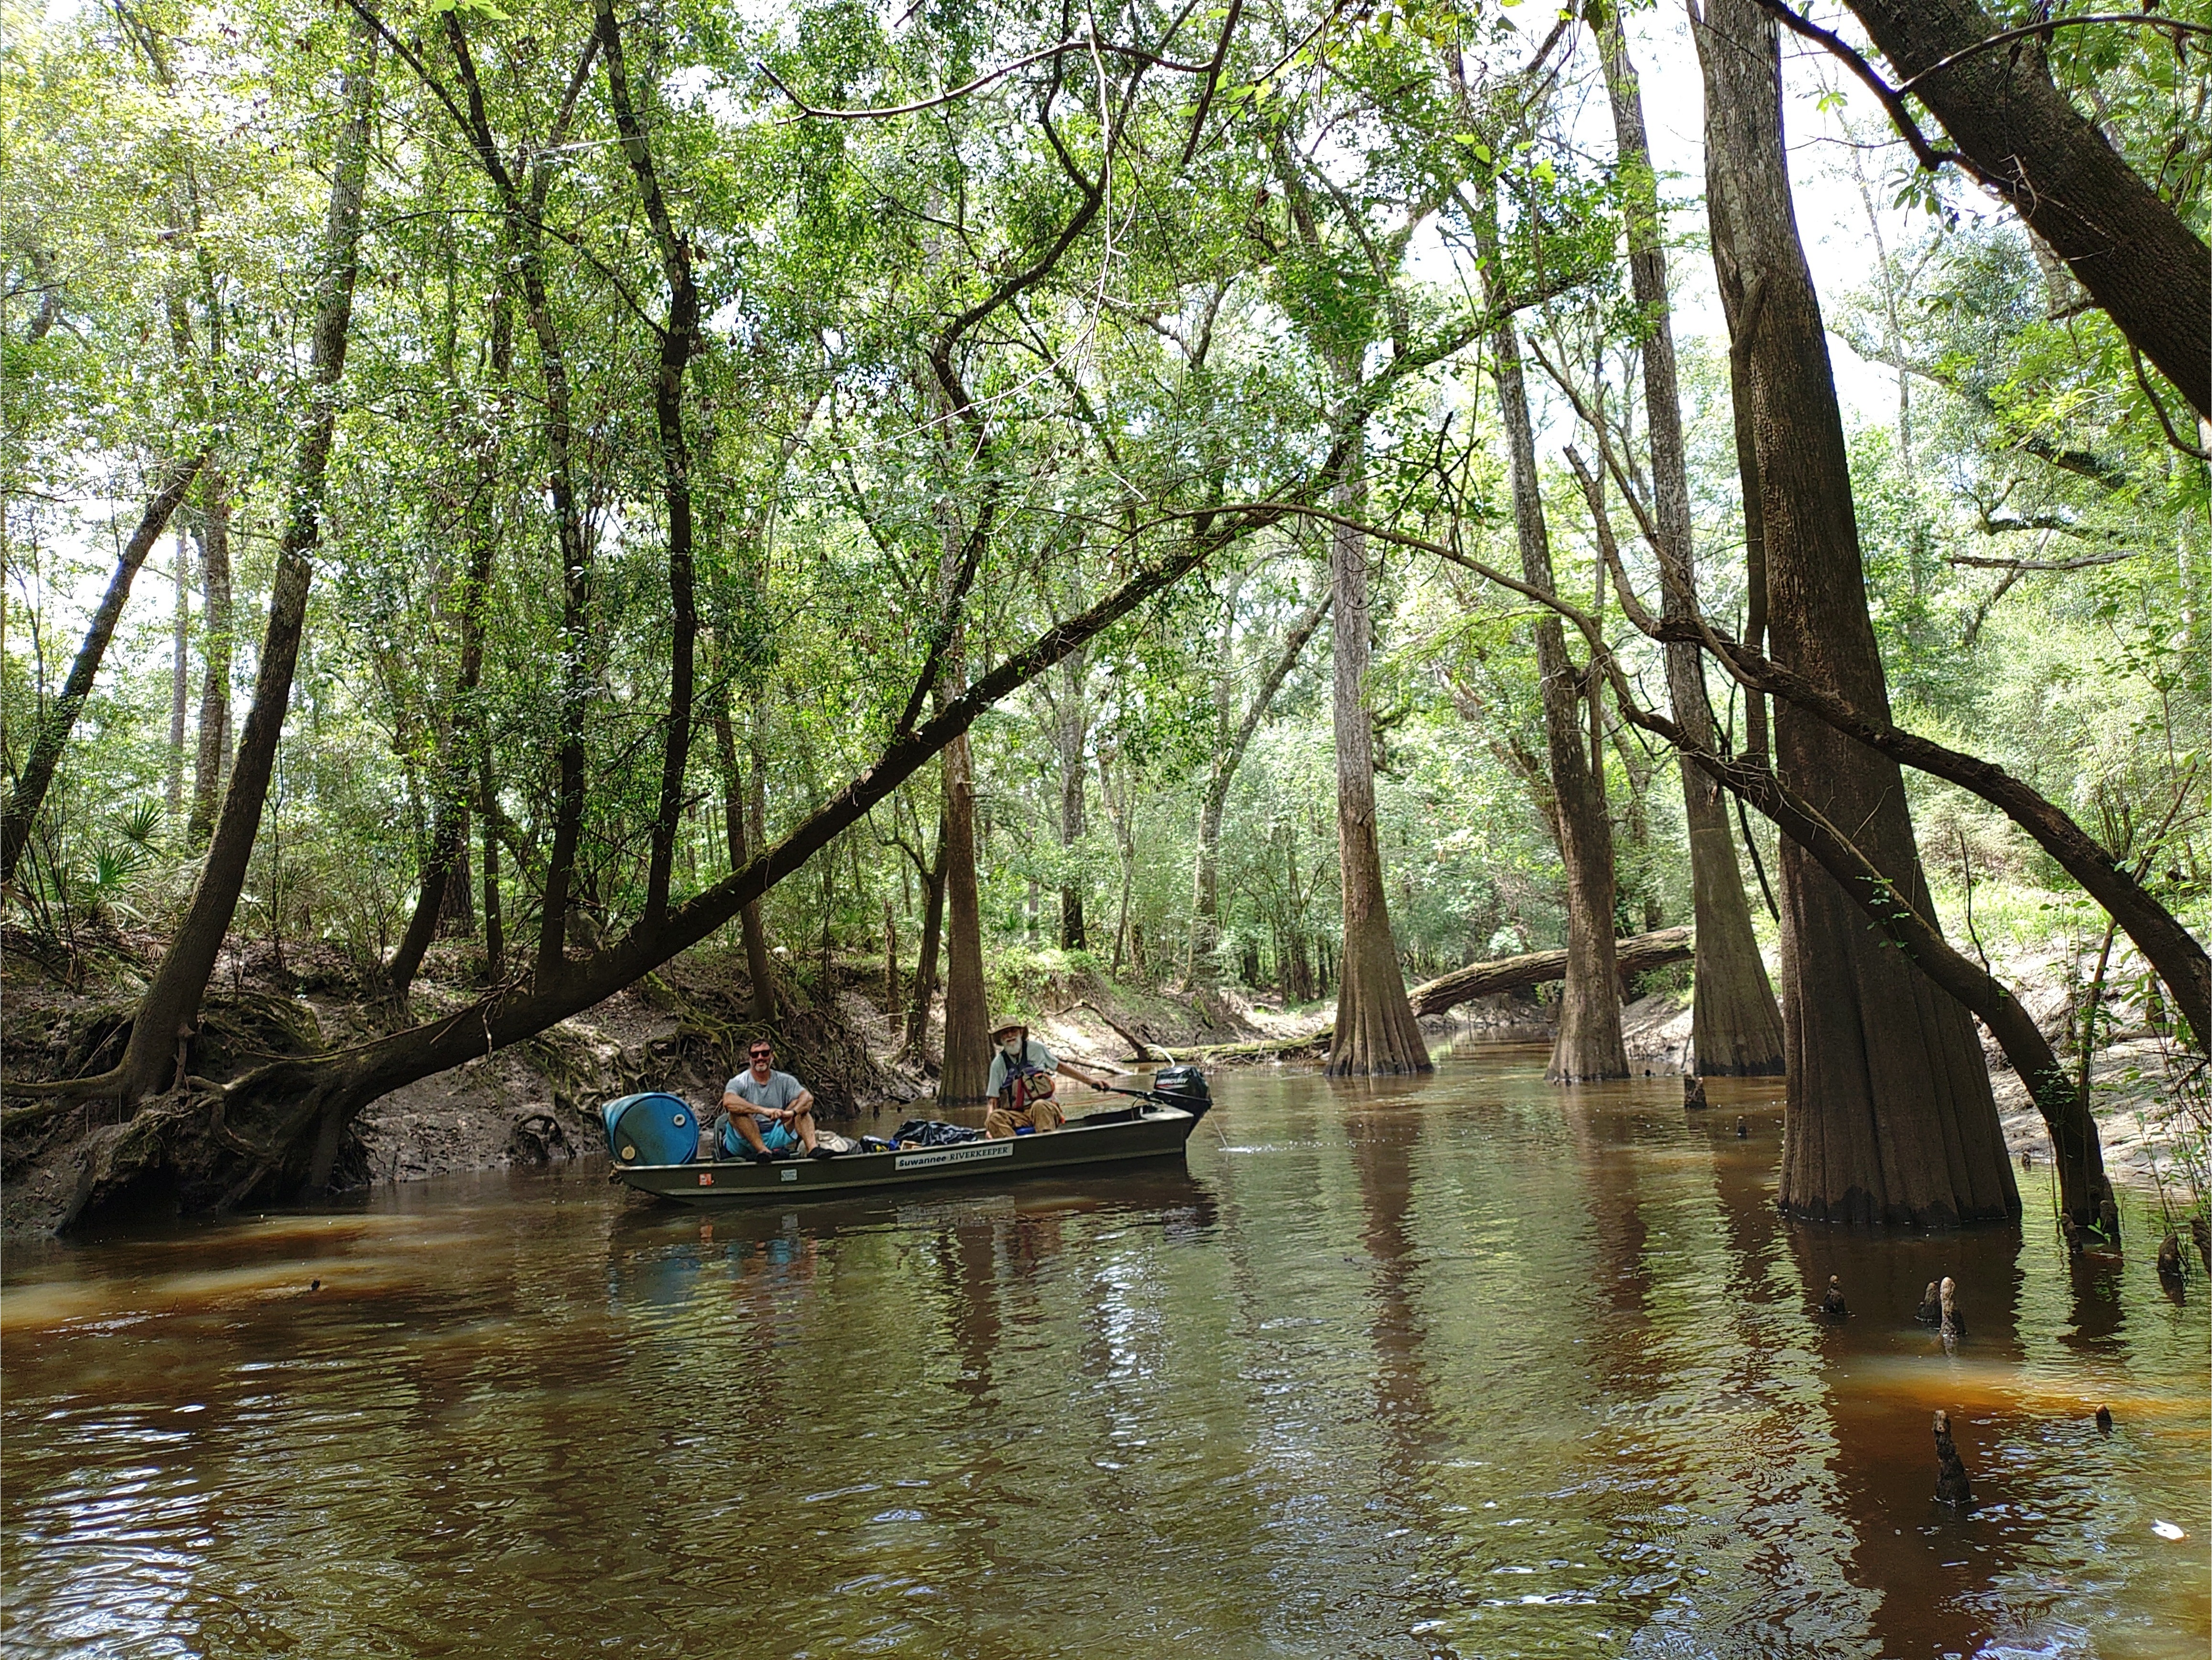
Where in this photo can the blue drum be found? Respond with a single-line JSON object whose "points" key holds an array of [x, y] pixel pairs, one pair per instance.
{"points": [[651, 1129]]}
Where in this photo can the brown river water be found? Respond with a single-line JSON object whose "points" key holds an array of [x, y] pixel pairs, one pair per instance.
{"points": [[1463, 1366]]}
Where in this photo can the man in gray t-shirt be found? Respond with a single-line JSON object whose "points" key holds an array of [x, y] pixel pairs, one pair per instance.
{"points": [[771, 1112]]}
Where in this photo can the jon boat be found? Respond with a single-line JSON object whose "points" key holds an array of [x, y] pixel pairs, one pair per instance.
{"points": [[653, 1138]]}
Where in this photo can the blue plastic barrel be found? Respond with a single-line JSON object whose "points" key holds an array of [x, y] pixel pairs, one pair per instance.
{"points": [[651, 1129]]}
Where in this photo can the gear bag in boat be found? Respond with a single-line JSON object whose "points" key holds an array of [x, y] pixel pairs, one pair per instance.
{"points": [[651, 1129]]}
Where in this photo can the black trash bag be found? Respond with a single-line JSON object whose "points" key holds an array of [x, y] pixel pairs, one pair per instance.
{"points": [[930, 1133]]}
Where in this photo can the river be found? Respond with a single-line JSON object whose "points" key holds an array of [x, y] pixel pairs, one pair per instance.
{"points": [[1466, 1365]]}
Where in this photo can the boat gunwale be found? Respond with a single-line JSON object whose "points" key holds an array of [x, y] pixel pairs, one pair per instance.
{"points": [[854, 1173]]}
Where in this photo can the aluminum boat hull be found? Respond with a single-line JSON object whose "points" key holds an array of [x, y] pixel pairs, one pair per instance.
{"points": [[1157, 1132]]}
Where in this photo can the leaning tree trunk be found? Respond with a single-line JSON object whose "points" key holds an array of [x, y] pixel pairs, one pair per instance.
{"points": [[2026, 140], [1589, 1044], [1890, 1115], [169, 1013], [1736, 1028], [213, 752], [1376, 1031], [52, 733]]}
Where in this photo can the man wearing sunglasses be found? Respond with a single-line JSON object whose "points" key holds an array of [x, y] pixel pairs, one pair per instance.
{"points": [[767, 1113]]}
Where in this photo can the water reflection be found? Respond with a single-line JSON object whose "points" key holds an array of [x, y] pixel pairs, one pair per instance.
{"points": [[1462, 1365]]}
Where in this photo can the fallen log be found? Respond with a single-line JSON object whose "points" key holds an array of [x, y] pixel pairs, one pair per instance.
{"points": [[1313, 1044], [1639, 954]]}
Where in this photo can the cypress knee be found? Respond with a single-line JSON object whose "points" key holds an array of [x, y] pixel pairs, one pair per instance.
{"points": [[1952, 1486], [2169, 1258]]}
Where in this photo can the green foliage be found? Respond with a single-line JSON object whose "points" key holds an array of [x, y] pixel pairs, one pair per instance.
{"points": [[1203, 338]]}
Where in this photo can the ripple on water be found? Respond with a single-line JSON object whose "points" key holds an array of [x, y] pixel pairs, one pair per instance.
{"points": [[1466, 1366]]}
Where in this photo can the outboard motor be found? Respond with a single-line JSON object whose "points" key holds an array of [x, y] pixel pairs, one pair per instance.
{"points": [[1184, 1087], [651, 1129]]}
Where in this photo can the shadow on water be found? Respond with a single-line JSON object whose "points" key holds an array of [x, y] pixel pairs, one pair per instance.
{"points": [[1464, 1365]]}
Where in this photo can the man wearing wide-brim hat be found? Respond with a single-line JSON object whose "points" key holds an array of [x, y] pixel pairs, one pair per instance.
{"points": [[1023, 1083]]}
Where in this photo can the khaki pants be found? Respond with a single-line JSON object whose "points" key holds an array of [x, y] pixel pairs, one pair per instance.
{"points": [[1004, 1120]]}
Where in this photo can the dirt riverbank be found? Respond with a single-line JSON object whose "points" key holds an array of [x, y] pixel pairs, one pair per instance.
{"points": [[683, 1029], [680, 1030]]}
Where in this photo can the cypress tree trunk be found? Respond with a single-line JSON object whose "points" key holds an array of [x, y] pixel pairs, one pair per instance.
{"points": [[967, 1064], [457, 916], [1890, 1115], [212, 755], [169, 1012], [1376, 1031], [1589, 1044], [760, 965], [933, 937], [759, 970], [678, 341], [180, 648], [1736, 1028], [494, 923], [1071, 729]]}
